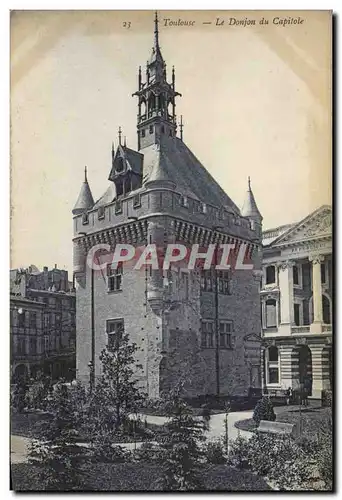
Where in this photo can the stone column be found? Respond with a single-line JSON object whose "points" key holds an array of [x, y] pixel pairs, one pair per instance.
{"points": [[286, 295], [317, 371], [286, 372], [316, 326]]}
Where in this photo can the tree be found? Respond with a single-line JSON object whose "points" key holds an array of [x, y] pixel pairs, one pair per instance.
{"points": [[117, 384], [114, 397], [60, 460], [182, 456]]}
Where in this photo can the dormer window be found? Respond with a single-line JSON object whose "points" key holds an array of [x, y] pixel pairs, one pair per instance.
{"points": [[85, 218], [120, 165], [204, 208], [101, 213]]}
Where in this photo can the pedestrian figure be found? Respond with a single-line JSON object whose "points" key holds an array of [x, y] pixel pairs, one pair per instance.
{"points": [[289, 394]]}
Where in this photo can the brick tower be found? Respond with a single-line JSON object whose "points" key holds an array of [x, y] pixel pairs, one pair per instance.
{"points": [[200, 327]]}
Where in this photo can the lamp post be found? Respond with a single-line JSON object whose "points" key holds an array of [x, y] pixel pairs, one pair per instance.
{"points": [[91, 375]]}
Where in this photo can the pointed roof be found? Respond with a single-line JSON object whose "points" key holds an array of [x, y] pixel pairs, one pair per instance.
{"points": [[171, 160], [250, 208], [85, 199], [133, 160]]}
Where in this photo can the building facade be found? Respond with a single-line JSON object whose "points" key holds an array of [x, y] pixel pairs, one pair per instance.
{"points": [[296, 303], [189, 325], [42, 323]]}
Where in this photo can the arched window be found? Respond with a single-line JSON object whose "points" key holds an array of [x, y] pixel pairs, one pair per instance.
{"points": [[272, 365], [270, 275], [143, 108], [151, 103], [271, 313]]}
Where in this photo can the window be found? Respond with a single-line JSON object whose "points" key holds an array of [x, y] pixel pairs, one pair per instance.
{"points": [[252, 224], [85, 218], [72, 319], [206, 280], [46, 321], [118, 207], [21, 320], [143, 133], [33, 320], [136, 201], [296, 314], [46, 343], [58, 321], [270, 275], [22, 346], [115, 330], [271, 313], [204, 208], [273, 365], [224, 281], [297, 276], [151, 129], [207, 334], [114, 277], [226, 328], [101, 213], [32, 344], [163, 129]]}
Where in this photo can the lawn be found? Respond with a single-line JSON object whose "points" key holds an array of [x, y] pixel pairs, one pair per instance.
{"points": [[24, 424], [141, 477], [313, 420]]}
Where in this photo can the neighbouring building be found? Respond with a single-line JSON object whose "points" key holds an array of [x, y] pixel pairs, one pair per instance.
{"points": [[161, 193], [296, 303], [42, 323]]}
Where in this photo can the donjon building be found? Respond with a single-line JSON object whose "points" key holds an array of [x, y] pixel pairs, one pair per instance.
{"points": [[296, 301], [202, 327]]}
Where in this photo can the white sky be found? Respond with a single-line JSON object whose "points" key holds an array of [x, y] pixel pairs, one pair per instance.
{"points": [[255, 102]]}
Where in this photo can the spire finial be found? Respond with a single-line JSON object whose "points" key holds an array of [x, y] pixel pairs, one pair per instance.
{"points": [[85, 174], [125, 143], [119, 133], [156, 32], [181, 127], [249, 183], [112, 149]]}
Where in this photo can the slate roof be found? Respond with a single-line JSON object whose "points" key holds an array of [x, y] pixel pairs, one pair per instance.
{"points": [[85, 198], [133, 159], [172, 160]]}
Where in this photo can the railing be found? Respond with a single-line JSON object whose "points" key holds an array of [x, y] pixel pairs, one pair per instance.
{"points": [[300, 329]]}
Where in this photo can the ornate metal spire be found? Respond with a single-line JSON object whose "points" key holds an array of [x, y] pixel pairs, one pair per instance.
{"points": [[156, 31], [119, 134], [85, 174], [181, 125]]}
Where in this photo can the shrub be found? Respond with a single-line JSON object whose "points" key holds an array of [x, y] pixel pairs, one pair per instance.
{"points": [[264, 410], [278, 458], [214, 452]]}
